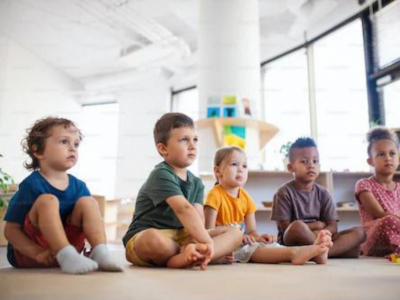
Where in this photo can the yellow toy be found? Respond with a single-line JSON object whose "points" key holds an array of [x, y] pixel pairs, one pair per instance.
{"points": [[394, 258]]}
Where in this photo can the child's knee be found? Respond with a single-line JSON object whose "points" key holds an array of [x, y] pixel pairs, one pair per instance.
{"points": [[46, 200], [296, 228], [152, 241], [360, 233], [391, 221], [86, 202]]}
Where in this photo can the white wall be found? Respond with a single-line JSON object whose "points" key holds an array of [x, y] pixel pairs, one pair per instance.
{"points": [[140, 106], [29, 89]]}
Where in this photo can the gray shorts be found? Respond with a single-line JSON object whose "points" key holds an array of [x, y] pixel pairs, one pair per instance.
{"points": [[243, 253]]}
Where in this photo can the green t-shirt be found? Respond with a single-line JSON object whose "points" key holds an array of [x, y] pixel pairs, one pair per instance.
{"points": [[152, 211]]}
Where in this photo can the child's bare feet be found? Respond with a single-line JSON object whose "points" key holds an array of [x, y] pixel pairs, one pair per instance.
{"points": [[303, 254], [324, 238], [191, 255]]}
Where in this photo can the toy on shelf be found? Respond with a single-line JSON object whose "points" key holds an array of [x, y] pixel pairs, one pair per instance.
{"points": [[228, 106]]}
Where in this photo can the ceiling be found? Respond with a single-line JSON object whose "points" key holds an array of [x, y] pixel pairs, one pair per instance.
{"points": [[92, 40]]}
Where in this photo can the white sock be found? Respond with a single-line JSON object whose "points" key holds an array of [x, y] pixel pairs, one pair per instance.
{"points": [[106, 261], [74, 263]]}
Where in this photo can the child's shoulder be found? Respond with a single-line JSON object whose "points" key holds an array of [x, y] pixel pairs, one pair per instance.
{"points": [[75, 180], [369, 181], [31, 179], [287, 186], [216, 190], [160, 170], [320, 188]]}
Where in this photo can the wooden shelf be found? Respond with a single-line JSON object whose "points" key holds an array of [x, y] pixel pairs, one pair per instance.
{"points": [[266, 131]]}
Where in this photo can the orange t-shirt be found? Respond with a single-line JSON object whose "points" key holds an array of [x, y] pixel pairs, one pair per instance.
{"points": [[231, 210]]}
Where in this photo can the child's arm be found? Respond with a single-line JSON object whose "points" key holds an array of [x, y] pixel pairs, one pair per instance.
{"points": [[372, 205], [200, 210], [16, 237], [210, 215], [190, 219], [251, 231], [317, 225]]}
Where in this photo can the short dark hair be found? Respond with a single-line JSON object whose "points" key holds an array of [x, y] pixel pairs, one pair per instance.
{"points": [[301, 142], [168, 122], [378, 133], [37, 135]]}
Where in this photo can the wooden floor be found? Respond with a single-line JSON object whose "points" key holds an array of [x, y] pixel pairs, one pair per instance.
{"points": [[364, 278]]}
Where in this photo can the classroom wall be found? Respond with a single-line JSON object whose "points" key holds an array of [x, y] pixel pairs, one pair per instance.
{"points": [[29, 89], [141, 104]]}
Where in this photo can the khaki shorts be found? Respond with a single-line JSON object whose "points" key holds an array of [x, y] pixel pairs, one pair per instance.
{"points": [[179, 236]]}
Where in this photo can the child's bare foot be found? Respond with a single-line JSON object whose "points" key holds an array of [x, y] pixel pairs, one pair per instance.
{"points": [[227, 259], [191, 255], [194, 254], [303, 254], [323, 239]]}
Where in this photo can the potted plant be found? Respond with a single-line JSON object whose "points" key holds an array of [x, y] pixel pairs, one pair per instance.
{"points": [[284, 150], [5, 181]]}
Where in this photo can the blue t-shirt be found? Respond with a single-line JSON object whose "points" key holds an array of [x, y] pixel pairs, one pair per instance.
{"points": [[31, 188]]}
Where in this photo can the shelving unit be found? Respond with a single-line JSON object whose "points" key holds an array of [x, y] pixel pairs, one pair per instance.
{"points": [[266, 131], [262, 186]]}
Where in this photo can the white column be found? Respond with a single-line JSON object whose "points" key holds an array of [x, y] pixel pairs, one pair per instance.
{"points": [[229, 64]]}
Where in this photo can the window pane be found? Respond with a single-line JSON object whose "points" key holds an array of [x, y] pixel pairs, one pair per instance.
{"points": [[341, 99], [386, 25], [391, 98], [98, 150], [286, 103], [187, 102]]}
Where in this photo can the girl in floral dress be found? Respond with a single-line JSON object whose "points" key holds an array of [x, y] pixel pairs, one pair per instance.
{"points": [[379, 195]]}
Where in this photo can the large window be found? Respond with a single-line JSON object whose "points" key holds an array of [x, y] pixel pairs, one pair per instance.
{"points": [[391, 96], [334, 69], [98, 151], [286, 103], [341, 99], [187, 102]]}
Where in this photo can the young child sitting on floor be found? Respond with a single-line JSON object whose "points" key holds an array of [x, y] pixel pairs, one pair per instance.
{"points": [[52, 213], [379, 195], [302, 207], [167, 228], [228, 204]]}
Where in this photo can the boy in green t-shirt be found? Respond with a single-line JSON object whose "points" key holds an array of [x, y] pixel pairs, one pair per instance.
{"points": [[167, 228]]}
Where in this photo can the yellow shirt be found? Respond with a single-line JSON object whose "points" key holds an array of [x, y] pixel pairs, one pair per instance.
{"points": [[231, 210]]}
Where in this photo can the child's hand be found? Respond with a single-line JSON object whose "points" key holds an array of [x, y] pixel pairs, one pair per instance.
{"points": [[248, 239], [45, 257], [320, 225], [268, 238], [208, 255]]}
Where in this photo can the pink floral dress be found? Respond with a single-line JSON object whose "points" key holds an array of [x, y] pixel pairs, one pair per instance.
{"points": [[383, 234]]}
